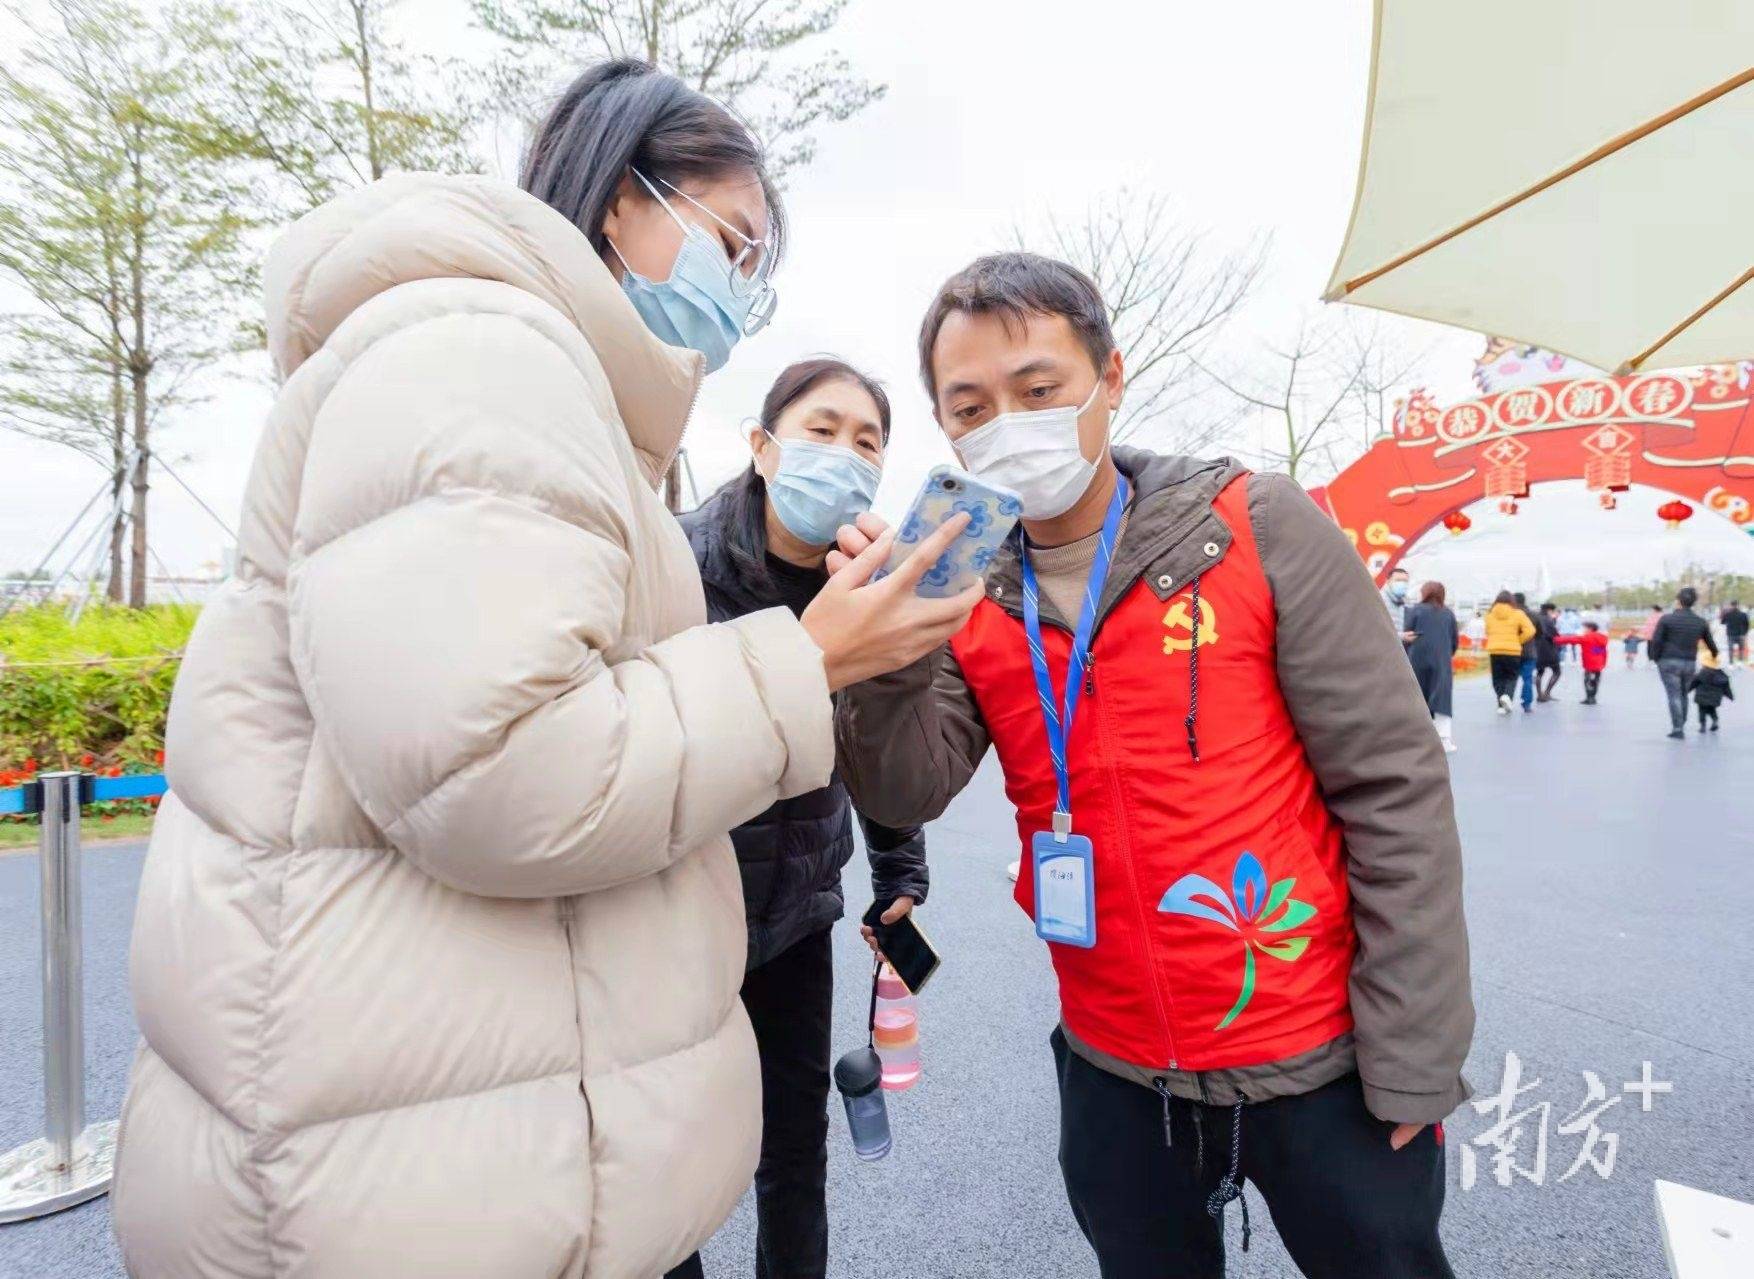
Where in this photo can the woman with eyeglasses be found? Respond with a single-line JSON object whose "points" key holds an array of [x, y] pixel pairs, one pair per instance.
{"points": [[761, 542], [438, 946]]}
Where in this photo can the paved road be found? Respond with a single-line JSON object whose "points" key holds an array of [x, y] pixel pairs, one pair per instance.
{"points": [[1609, 901]]}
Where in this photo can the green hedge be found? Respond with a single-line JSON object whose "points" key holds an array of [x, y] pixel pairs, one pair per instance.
{"points": [[98, 687]]}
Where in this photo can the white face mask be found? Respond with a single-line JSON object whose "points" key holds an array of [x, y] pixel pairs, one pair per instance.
{"points": [[1035, 454]]}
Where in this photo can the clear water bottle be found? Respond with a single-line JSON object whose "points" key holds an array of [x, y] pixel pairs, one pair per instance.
{"points": [[859, 1076], [895, 1031]]}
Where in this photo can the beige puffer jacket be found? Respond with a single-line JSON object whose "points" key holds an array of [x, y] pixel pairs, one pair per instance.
{"points": [[438, 943]]}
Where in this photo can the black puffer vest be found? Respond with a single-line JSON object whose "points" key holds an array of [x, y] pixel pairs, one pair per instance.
{"points": [[792, 855]]}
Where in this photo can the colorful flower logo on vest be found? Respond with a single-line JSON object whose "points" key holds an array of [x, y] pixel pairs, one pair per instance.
{"points": [[1250, 908]]}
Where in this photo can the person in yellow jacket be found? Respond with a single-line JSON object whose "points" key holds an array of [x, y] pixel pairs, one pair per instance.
{"points": [[1507, 629]]}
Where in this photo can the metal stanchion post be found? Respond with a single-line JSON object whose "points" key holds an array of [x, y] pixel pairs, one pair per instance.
{"points": [[72, 1162]]}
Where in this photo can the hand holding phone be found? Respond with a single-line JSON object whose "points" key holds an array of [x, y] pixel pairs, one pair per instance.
{"points": [[904, 946], [865, 628], [948, 492]]}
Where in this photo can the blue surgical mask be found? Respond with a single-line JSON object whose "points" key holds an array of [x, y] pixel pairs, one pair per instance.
{"points": [[698, 307], [1397, 591], [819, 487]]}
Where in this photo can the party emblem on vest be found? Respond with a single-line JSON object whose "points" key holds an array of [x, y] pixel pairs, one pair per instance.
{"points": [[1179, 622], [1250, 908]]}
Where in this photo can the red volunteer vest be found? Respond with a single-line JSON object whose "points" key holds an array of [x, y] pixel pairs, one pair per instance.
{"points": [[1223, 924]]}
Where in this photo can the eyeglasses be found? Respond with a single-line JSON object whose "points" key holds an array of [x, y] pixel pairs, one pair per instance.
{"points": [[750, 267]]}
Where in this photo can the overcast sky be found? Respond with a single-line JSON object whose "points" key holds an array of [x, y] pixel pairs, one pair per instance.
{"points": [[1249, 115]]}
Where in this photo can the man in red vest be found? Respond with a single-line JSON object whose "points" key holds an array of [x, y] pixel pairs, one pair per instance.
{"points": [[1234, 813]]}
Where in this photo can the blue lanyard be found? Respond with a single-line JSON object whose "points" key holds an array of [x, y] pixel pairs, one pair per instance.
{"points": [[1059, 725]]}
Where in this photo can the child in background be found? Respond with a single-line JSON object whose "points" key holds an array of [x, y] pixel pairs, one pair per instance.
{"points": [[1631, 641], [1594, 651], [1710, 686]]}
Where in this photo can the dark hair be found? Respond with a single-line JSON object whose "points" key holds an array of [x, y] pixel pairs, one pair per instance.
{"points": [[1549, 607], [625, 114], [1015, 286], [1431, 593], [1504, 597], [1398, 569], [1686, 597], [1591, 626], [1519, 598], [745, 495]]}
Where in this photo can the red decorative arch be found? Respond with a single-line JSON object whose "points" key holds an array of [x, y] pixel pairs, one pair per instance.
{"points": [[1688, 433]]}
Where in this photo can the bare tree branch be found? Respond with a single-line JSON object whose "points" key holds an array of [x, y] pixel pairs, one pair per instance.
{"points": [[1330, 378], [758, 57], [1167, 294]]}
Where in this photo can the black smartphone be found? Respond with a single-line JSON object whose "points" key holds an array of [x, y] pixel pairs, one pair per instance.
{"points": [[904, 946]]}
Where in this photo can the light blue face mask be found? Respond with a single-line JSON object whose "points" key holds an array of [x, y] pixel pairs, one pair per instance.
{"points": [[698, 307], [819, 487]]}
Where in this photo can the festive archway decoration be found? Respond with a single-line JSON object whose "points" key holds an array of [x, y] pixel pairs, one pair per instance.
{"points": [[1688, 433]]}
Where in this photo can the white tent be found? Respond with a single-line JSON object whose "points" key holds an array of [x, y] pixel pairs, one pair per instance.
{"points": [[1578, 174]]}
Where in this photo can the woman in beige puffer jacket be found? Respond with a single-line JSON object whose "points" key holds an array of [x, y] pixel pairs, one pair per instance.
{"points": [[438, 942]]}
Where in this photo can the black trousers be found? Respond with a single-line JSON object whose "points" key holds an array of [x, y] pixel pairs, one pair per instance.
{"points": [[1506, 667], [1345, 1204], [1592, 680], [1707, 713], [790, 1000]]}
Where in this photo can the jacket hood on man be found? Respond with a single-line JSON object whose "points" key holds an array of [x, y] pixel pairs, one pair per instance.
{"points": [[438, 944]]}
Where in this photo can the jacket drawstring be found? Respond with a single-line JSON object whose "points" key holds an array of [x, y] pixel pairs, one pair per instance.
{"points": [[1162, 1086], [1230, 1188], [1194, 676]]}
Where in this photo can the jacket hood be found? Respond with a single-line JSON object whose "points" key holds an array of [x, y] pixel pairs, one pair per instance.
{"points": [[426, 226]]}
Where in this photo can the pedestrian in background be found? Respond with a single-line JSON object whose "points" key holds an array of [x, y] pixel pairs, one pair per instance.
{"points": [[1592, 647], [1508, 631], [1648, 627], [1631, 641], [1394, 598], [1530, 652], [1547, 668], [1674, 647], [1569, 624], [1710, 687], [1432, 650], [1735, 624]]}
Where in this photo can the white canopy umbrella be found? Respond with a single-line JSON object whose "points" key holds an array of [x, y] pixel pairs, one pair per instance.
{"points": [[1576, 174]]}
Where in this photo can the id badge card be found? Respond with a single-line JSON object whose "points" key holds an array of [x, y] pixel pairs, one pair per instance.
{"points": [[1065, 889]]}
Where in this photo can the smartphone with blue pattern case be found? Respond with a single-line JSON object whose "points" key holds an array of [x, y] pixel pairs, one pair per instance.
{"points": [[993, 512]]}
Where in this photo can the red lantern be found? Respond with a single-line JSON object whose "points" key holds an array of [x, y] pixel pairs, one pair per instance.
{"points": [[1508, 506], [1457, 523], [1672, 513]]}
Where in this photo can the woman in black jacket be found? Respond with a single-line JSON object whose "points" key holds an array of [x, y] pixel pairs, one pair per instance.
{"points": [[761, 542], [1432, 639]]}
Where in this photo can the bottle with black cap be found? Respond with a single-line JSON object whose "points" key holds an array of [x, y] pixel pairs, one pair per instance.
{"points": [[859, 1077]]}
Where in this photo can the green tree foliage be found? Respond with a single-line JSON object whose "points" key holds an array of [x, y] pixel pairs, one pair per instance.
{"points": [[125, 220], [756, 56], [329, 97]]}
